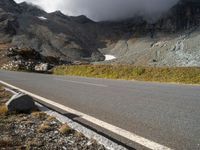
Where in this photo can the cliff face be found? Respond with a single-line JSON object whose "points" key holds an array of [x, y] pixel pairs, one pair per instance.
{"points": [[79, 38], [10, 6], [186, 14], [183, 16], [8, 21]]}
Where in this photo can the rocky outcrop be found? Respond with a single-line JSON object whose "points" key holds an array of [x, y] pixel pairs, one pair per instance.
{"points": [[8, 26], [31, 9], [30, 60], [10, 6]]}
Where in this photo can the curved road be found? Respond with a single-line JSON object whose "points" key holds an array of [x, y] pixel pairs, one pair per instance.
{"points": [[168, 114]]}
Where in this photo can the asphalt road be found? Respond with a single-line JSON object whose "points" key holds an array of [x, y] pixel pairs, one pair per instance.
{"points": [[168, 114]]}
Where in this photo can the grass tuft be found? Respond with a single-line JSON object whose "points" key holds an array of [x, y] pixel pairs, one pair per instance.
{"points": [[44, 128], [65, 129], [3, 110], [39, 115], [51, 118], [79, 135]]}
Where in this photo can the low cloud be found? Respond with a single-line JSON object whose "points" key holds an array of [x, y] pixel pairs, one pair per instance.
{"points": [[99, 10]]}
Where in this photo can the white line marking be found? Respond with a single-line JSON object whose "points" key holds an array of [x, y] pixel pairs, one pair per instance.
{"points": [[119, 131], [79, 82]]}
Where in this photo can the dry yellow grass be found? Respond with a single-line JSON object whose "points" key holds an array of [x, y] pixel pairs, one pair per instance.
{"points": [[45, 127], [3, 110], [51, 118], [40, 115], [189, 75], [79, 135], [65, 129]]}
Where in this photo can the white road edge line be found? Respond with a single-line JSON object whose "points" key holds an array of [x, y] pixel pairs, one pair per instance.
{"points": [[78, 82], [119, 131]]}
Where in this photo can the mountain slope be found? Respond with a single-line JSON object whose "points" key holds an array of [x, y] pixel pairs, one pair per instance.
{"points": [[170, 41], [51, 34]]}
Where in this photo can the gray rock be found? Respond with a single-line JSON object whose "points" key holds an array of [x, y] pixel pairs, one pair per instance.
{"points": [[96, 56], [21, 103], [43, 67]]}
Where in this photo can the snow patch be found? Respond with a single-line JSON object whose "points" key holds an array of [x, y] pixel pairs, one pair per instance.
{"points": [[42, 18], [109, 57]]}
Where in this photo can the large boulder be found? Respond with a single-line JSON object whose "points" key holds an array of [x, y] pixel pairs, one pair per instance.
{"points": [[21, 103]]}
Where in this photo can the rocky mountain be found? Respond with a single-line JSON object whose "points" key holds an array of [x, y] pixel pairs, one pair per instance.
{"points": [[173, 40], [53, 34]]}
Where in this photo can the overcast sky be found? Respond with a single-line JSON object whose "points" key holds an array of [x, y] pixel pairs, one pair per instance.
{"points": [[107, 9]]}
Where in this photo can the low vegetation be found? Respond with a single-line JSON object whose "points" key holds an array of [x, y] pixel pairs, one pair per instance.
{"points": [[65, 129], [38, 114], [44, 127], [190, 75], [4, 96], [3, 110]]}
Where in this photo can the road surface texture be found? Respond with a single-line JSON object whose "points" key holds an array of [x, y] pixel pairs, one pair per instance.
{"points": [[168, 114]]}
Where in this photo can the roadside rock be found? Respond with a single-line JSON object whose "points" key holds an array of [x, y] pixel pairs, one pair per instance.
{"points": [[43, 67], [21, 103]]}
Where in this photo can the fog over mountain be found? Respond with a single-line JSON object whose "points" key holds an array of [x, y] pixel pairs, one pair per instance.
{"points": [[99, 10]]}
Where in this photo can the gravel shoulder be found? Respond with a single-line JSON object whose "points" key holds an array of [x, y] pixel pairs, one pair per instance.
{"points": [[39, 131]]}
